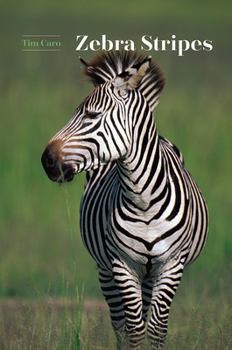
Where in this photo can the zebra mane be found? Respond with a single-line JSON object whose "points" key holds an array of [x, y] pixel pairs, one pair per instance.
{"points": [[107, 66]]}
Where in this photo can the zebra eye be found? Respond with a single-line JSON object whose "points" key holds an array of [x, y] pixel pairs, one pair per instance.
{"points": [[92, 115]]}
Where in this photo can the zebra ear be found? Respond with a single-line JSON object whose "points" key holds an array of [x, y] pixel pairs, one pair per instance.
{"points": [[131, 77], [84, 63]]}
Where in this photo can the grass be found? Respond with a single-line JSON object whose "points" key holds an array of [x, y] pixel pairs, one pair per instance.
{"points": [[43, 325], [75, 337], [39, 92]]}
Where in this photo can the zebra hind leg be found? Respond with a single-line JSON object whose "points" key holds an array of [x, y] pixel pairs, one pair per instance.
{"points": [[164, 289]]}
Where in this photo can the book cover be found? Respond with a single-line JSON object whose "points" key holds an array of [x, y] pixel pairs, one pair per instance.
{"points": [[42, 254]]}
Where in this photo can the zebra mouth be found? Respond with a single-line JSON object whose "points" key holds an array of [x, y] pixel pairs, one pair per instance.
{"points": [[61, 175], [66, 175]]}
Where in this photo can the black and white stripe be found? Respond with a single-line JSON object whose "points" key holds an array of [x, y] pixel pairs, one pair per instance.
{"points": [[143, 218]]}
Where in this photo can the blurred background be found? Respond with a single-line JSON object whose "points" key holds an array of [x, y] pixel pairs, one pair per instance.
{"points": [[39, 92]]}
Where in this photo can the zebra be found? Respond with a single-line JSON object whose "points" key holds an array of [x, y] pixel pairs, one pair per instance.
{"points": [[142, 218]]}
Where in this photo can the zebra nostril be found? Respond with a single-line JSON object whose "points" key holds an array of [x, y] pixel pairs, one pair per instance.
{"points": [[50, 163], [52, 160]]}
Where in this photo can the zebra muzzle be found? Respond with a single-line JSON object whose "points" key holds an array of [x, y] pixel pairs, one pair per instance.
{"points": [[54, 166]]}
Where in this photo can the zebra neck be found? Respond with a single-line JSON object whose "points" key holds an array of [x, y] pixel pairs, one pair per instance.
{"points": [[142, 174]]}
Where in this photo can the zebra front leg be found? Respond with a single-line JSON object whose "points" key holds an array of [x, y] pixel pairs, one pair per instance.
{"points": [[164, 288], [114, 301], [129, 287]]}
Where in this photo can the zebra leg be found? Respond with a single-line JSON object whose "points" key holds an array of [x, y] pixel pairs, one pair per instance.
{"points": [[114, 301], [129, 287], [164, 288]]}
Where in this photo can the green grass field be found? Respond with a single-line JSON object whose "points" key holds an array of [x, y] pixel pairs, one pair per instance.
{"points": [[39, 92]]}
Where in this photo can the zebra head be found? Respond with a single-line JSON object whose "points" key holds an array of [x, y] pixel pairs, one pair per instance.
{"points": [[101, 128]]}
